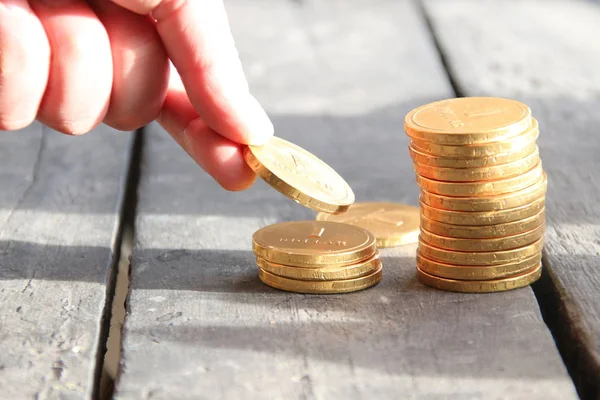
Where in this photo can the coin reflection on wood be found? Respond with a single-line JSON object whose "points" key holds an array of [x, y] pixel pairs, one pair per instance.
{"points": [[317, 257], [392, 224], [483, 191]]}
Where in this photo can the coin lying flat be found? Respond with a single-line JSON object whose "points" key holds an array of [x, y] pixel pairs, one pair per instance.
{"points": [[483, 245], [484, 217], [514, 144], [321, 287], [313, 243], [468, 120], [496, 285], [471, 162], [477, 272], [479, 258], [483, 188], [300, 175], [392, 224], [502, 171], [483, 231], [323, 273], [488, 203]]}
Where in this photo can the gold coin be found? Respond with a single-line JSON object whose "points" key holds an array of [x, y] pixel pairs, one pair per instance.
{"points": [[321, 287], [299, 175], [484, 217], [483, 188], [512, 145], [468, 120], [488, 203], [324, 273], [480, 258], [474, 272], [471, 162], [496, 285], [483, 245], [502, 171], [311, 243], [483, 231], [392, 224]]}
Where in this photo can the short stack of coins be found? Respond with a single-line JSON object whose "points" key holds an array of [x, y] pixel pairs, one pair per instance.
{"points": [[482, 194], [317, 257]]}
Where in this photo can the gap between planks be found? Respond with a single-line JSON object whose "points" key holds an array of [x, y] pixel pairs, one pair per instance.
{"points": [[117, 287], [578, 364], [458, 92]]}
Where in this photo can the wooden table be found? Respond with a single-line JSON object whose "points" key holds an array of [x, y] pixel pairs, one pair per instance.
{"points": [[336, 77]]}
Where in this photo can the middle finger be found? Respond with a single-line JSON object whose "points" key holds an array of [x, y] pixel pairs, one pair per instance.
{"points": [[79, 85], [141, 67]]}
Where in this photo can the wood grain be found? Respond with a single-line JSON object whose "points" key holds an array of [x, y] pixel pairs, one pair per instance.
{"points": [[59, 211], [337, 78], [546, 53]]}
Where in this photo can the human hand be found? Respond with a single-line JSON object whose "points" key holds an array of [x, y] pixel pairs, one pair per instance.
{"points": [[72, 64]]}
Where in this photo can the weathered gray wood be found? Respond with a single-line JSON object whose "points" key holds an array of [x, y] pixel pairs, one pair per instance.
{"points": [[337, 78], [547, 54], [59, 208]]}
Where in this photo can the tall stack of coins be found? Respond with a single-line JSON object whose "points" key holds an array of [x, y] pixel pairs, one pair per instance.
{"points": [[317, 257], [482, 194]]}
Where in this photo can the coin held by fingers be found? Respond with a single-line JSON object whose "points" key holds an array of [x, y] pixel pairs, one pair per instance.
{"points": [[300, 175]]}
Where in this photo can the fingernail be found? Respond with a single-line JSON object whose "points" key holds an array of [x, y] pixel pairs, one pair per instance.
{"points": [[255, 121]]}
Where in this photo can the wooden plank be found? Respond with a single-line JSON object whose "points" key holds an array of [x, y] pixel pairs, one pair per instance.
{"points": [[59, 210], [546, 53], [337, 78]]}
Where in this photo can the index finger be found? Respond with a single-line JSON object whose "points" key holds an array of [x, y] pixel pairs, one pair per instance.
{"points": [[199, 42]]}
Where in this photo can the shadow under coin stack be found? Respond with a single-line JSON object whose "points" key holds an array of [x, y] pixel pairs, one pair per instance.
{"points": [[482, 194], [316, 257]]}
